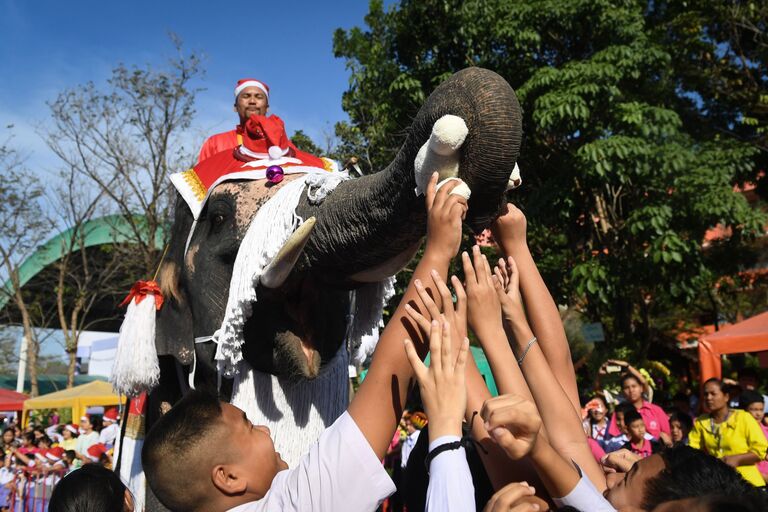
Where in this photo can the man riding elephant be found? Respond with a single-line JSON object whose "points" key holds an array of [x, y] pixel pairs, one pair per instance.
{"points": [[269, 285]]}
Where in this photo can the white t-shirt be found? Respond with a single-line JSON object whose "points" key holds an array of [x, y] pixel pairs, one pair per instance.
{"points": [[85, 441], [340, 472], [108, 434]]}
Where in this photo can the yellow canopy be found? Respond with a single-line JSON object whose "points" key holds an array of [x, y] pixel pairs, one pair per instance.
{"points": [[78, 398]]}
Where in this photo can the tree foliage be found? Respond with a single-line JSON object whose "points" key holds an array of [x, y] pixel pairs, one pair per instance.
{"points": [[632, 147]]}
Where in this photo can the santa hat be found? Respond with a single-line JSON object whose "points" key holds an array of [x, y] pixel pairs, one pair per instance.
{"points": [[55, 454], [111, 415], [250, 82], [96, 451], [41, 455], [73, 428], [265, 146]]}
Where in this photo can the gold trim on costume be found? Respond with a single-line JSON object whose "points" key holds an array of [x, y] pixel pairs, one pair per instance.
{"points": [[327, 163], [135, 427], [194, 183]]}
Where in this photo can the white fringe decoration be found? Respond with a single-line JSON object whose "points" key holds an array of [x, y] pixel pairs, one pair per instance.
{"points": [[295, 412], [270, 228], [368, 308], [136, 368]]}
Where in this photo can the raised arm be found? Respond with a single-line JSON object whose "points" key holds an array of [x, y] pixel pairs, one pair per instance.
{"points": [[543, 315], [378, 404]]}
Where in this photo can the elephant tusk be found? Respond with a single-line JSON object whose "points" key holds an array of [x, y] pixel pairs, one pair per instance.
{"points": [[281, 266]]}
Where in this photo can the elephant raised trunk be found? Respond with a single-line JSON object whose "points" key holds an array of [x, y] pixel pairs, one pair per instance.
{"points": [[370, 220]]}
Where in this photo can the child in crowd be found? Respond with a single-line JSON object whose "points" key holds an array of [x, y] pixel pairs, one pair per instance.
{"points": [[614, 443], [596, 422], [69, 435], [413, 425], [752, 402], [680, 425], [637, 443]]}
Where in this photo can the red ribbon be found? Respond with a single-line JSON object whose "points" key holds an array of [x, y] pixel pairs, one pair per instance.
{"points": [[139, 292]]}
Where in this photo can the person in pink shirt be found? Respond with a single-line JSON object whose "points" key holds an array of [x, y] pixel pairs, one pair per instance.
{"points": [[654, 417], [637, 443], [752, 402]]}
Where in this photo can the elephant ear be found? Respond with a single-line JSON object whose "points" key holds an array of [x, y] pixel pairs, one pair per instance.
{"points": [[173, 326]]}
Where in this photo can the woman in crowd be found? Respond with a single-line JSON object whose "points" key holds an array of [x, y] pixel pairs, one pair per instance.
{"points": [[729, 434]]}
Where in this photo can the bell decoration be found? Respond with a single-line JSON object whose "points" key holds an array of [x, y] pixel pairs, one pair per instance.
{"points": [[275, 174], [136, 368]]}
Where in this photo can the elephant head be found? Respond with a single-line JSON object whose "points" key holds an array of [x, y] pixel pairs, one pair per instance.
{"points": [[366, 229]]}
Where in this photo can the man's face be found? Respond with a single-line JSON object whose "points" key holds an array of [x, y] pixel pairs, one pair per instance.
{"points": [[251, 100], [636, 430], [253, 450], [757, 410], [629, 491]]}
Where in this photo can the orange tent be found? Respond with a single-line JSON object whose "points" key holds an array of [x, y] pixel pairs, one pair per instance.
{"points": [[11, 400], [751, 335]]}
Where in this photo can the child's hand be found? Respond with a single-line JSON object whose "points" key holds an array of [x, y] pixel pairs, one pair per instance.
{"points": [[510, 499], [510, 228], [507, 285], [445, 212], [456, 316], [442, 385], [484, 309], [513, 422]]}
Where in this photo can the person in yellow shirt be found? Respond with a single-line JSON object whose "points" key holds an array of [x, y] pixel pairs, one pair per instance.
{"points": [[69, 436], [729, 434]]}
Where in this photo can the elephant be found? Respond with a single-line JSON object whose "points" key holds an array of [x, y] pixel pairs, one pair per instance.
{"points": [[365, 230]]}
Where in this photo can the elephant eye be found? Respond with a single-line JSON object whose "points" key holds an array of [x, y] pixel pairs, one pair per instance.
{"points": [[217, 220]]}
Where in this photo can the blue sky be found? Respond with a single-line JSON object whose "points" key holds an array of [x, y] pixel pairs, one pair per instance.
{"points": [[47, 46]]}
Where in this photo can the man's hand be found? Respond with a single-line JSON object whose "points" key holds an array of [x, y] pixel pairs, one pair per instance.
{"points": [[620, 461], [513, 423], [442, 385], [512, 498], [445, 212], [510, 228], [484, 309]]}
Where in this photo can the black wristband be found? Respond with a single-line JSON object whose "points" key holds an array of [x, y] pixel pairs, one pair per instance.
{"points": [[455, 445]]}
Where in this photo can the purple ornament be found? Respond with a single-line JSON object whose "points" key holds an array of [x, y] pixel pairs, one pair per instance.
{"points": [[275, 174]]}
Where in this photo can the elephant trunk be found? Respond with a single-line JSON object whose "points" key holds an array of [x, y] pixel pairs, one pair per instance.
{"points": [[368, 221]]}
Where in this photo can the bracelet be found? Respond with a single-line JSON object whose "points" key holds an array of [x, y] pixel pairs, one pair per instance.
{"points": [[466, 442], [525, 352]]}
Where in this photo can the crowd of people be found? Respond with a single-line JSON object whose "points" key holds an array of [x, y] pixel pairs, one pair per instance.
{"points": [[36, 458]]}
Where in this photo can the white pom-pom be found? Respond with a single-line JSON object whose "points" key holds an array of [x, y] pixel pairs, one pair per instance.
{"points": [[448, 134], [136, 368], [275, 152]]}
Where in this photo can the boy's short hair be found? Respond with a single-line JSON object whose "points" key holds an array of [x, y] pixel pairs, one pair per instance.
{"points": [[631, 417], [689, 473], [91, 488], [174, 442]]}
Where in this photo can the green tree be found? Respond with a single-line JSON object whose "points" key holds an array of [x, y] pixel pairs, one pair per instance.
{"points": [[621, 180]]}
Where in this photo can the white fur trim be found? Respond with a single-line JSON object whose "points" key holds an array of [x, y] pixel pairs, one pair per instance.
{"points": [[251, 83], [441, 151], [368, 303], [136, 368], [276, 152]]}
